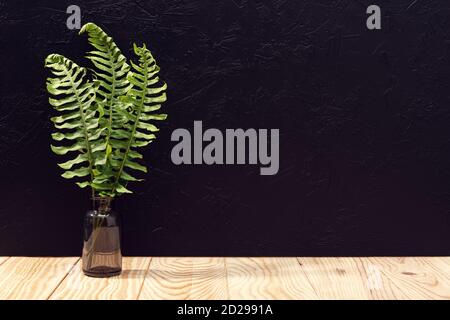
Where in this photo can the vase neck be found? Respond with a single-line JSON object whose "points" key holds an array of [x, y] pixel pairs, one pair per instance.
{"points": [[102, 204]]}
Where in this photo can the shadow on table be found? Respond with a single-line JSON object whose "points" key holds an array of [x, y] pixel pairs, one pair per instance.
{"points": [[133, 273]]}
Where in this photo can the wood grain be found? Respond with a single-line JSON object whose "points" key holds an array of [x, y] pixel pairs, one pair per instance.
{"points": [[417, 278], [32, 278], [336, 278], [3, 259], [235, 278], [124, 287], [267, 278], [186, 278]]}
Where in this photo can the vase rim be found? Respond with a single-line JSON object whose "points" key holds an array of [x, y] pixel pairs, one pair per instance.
{"points": [[102, 204]]}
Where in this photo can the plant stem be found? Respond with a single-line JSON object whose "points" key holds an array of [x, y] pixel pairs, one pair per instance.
{"points": [[113, 89], [96, 229]]}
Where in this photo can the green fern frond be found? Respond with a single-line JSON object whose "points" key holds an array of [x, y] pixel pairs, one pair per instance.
{"points": [[73, 97], [144, 99], [112, 69], [104, 121]]}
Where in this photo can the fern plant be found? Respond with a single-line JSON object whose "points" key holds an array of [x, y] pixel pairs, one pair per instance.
{"points": [[106, 116], [142, 100]]}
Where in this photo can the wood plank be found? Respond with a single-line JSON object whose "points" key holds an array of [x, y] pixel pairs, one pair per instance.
{"points": [[417, 278], [235, 278], [267, 278], [185, 278], [3, 259], [32, 278], [124, 287], [336, 278]]}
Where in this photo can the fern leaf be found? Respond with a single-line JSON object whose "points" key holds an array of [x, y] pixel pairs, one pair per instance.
{"points": [[112, 70], [73, 98], [101, 124], [145, 97]]}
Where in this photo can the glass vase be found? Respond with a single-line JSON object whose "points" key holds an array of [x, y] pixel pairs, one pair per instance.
{"points": [[102, 255]]}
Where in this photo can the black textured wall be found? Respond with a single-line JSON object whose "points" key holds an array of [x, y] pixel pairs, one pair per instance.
{"points": [[363, 116]]}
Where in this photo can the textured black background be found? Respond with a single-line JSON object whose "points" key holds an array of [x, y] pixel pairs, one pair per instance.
{"points": [[363, 117]]}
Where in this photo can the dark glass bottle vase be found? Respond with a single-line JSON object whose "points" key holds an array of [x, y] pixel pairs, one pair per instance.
{"points": [[102, 255]]}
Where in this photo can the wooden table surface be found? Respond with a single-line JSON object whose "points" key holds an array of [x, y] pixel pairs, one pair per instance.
{"points": [[230, 278]]}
